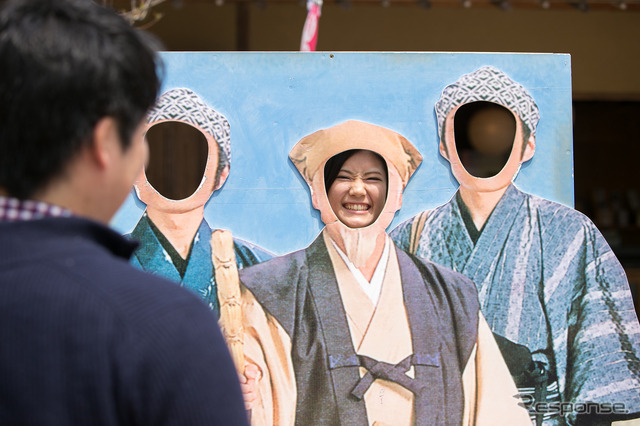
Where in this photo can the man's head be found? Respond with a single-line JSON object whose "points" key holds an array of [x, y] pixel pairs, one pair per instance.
{"points": [[482, 95], [71, 71], [183, 107]]}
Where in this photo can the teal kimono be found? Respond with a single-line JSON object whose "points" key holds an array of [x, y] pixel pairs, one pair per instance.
{"points": [[546, 279], [198, 274]]}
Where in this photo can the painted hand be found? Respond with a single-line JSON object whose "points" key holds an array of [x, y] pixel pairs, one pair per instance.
{"points": [[249, 384]]}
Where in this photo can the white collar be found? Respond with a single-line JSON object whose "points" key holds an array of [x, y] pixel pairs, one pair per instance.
{"points": [[371, 288]]}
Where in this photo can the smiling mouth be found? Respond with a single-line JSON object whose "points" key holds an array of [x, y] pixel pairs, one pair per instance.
{"points": [[359, 207]]}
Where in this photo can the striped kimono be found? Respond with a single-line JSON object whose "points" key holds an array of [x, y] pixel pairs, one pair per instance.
{"points": [[546, 279]]}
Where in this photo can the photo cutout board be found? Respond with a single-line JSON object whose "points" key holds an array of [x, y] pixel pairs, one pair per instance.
{"points": [[464, 160], [272, 100]]}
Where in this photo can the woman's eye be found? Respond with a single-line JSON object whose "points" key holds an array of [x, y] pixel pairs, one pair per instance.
{"points": [[342, 177], [374, 179]]}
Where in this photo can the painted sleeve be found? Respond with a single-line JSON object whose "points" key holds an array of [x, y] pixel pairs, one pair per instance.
{"points": [[603, 334], [268, 346], [589, 308]]}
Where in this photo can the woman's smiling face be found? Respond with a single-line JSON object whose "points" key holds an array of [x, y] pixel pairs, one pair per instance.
{"points": [[359, 191]]}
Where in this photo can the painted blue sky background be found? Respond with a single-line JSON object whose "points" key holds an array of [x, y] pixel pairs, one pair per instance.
{"points": [[272, 100]]}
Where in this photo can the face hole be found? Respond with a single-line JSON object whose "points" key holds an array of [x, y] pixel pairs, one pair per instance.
{"points": [[356, 182], [484, 136], [177, 159]]}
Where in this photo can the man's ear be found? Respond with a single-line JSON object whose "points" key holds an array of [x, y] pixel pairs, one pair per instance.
{"points": [[224, 174], [105, 143], [529, 149], [443, 150]]}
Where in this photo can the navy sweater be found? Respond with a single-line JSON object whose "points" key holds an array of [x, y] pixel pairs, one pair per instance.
{"points": [[86, 339]]}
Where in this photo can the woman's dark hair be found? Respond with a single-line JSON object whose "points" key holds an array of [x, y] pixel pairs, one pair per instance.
{"points": [[335, 163]]}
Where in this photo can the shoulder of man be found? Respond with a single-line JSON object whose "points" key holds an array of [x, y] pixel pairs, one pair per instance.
{"points": [[163, 345], [171, 351], [560, 220], [552, 211]]}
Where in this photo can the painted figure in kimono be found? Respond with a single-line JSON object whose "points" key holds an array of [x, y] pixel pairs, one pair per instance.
{"points": [[175, 238], [545, 276], [354, 331]]}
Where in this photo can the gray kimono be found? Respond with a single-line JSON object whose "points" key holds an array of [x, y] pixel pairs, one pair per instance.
{"points": [[300, 291]]}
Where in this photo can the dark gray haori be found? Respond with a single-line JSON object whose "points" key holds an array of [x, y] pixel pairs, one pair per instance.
{"points": [[300, 290]]}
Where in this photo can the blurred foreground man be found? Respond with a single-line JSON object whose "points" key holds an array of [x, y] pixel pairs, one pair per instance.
{"points": [[86, 338]]}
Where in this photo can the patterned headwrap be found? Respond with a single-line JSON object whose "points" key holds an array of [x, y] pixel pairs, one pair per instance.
{"points": [[185, 105], [490, 85]]}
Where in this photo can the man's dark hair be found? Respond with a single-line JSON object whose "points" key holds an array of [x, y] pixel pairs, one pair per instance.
{"points": [[64, 65]]}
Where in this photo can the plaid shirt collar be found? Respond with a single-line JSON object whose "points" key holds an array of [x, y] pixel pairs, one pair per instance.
{"points": [[12, 209]]}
